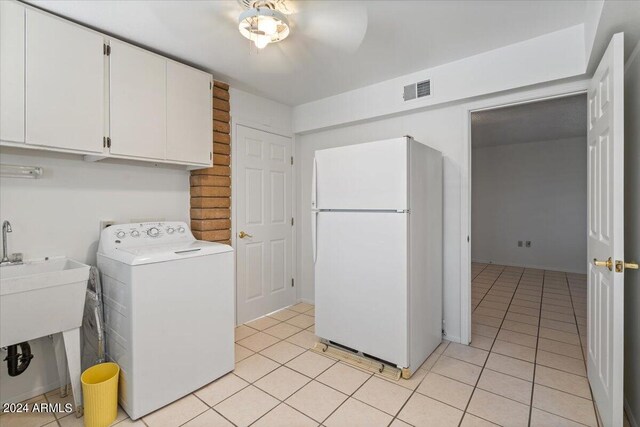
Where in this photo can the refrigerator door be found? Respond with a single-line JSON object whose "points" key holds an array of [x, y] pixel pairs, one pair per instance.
{"points": [[371, 176], [361, 282]]}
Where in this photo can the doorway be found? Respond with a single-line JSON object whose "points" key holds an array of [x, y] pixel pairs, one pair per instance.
{"points": [[528, 251], [263, 223]]}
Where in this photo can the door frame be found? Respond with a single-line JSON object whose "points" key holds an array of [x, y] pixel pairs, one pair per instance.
{"points": [[523, 97], [235, 122]]}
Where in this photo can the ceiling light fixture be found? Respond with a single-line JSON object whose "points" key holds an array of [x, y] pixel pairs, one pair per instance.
{"points": [[263, 24]]}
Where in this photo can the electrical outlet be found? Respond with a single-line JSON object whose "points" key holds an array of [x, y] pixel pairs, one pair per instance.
{"points": [[528, 243], [106, 223], [519, 243]]}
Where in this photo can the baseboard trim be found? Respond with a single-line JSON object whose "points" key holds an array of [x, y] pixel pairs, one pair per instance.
{"points": [[46, 388], [630, 415]]}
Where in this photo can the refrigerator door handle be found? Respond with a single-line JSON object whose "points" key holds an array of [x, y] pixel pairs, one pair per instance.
{"points": [[314, 185], [314, 233]]}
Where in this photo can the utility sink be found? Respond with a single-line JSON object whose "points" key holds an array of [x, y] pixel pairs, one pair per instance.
{"points": [[40, 298]]}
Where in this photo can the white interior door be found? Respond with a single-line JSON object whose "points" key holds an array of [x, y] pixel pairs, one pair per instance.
{"points": [[606, 233], [263, 223]]}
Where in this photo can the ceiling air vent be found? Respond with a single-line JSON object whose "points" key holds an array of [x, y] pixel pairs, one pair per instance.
{"points": [[417, 90]]}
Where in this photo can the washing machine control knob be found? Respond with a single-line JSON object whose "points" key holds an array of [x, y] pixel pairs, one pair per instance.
{"points": [[180, 229], [135, 233], [153, 232], [120, 234], [170, 230]]}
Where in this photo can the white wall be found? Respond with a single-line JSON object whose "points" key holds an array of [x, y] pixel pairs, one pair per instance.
{"points": [[552, 56], [60, 214], [261, 113], [534, 191], [632, 237]]}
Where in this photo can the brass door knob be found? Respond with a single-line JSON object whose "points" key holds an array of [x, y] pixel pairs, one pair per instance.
{"points": [[608, 263], [630, 265], [242, 235]]}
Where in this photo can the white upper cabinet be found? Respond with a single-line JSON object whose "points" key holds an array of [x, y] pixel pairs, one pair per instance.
{"points": [[138, 102], [189, 109], [11, 71], [65, 99]]}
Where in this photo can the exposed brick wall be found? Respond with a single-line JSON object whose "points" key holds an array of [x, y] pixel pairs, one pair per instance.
{"points": [[211, 187]]}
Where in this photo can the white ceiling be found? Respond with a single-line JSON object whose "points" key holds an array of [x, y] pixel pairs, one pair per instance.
{"points": [[550, 120], [334, 46]]}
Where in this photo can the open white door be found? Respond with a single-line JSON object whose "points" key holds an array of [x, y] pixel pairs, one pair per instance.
{"points": [[605, 246], [263, 223]]}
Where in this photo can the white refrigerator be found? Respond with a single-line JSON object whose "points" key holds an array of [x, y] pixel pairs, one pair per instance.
{"points": [[376, 226]]}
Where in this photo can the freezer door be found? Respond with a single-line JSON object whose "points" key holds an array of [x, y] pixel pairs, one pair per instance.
{"points": [[361, 282], [361, 176]]}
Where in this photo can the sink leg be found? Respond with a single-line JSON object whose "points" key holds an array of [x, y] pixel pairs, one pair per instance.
{"points": [[72, 347], [61, 361]]}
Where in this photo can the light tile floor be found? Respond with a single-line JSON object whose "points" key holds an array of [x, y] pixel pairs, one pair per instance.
{"points": [[525, 367]]}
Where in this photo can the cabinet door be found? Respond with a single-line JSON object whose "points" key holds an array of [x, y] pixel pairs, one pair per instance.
{"points": [[11, 71], [138, 102], [64, 84], [189, 121]]}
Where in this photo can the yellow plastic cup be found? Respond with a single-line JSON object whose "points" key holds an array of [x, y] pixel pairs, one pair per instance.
{"points": [[100, 393]]}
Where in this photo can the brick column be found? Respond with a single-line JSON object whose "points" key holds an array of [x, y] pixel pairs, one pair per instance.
{"points": [[211, 187]]}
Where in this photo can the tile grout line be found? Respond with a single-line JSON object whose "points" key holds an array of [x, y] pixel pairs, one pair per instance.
{"points": [[535, 355]]}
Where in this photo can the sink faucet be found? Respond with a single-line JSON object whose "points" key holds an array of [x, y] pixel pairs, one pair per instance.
{"points": [[6, 228]]}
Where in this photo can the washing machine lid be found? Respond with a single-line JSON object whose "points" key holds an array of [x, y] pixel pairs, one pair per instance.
{"points": [[164, 252]]}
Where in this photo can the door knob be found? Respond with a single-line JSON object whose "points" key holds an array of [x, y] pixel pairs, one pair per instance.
{"points": [[242, 235], [608, 263], [622, 266]]}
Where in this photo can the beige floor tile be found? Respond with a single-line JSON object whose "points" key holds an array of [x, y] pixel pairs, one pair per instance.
{"points": [[128, 422], [220, 389], [564, 404], [312, 329], [423, 411], [478, 341], [471, 420], [498, 409], [522, 318], [302, 307], [523, 328], [54, 398], [246, 406], [484, 330], [446, 390], [71, 420], [559, 325], [506, 386], [258, 342], [399, 423], [311, 312], [563, 381], [262, 323], [525, 303], [282, 352], [514, 350], [482, 319], [310, 364], [442, 347], [457, 370], [382, 394], [241, 353], [304, 339], [563, 363], [282, 330], [354, 413], [544, 419], [254, 367], [510, 366], [30, 419], [524, 310], [282, 382], [176, 413], [466, 353], [243, 331], [283, 314], [301, 321], [343, 378], [209, 419], [284, 415], [560, 348], [316, 400], [517, 338]]}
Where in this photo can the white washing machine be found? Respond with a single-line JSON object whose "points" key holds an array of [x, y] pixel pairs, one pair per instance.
{"points": [[169, 311]]}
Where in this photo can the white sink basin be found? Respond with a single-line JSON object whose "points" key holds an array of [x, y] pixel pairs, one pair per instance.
{"points": [[40, 298]]}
